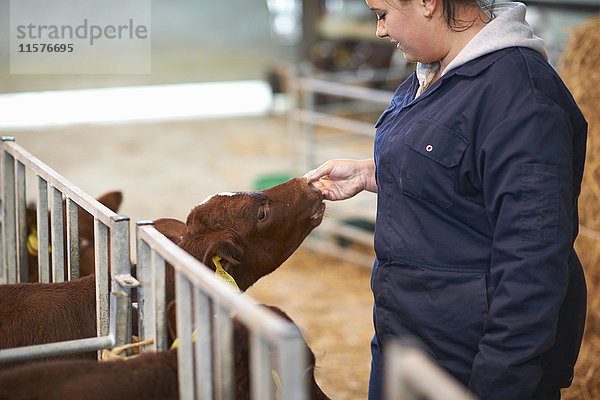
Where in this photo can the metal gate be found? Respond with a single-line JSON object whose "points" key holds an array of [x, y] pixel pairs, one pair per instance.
{"points": [[276, 346], [51, 189]]}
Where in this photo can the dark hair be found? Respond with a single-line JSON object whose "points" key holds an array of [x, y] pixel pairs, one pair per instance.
{"points": [[449, 11]]}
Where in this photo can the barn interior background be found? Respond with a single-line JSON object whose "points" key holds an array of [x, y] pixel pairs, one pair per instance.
{"points": [[260, 85]]}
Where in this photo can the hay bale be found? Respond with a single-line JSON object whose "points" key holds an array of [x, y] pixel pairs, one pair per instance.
{"points": [[580, 70]]}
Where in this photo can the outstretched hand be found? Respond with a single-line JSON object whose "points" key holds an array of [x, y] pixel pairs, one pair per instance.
{"points": [[342, 179]]}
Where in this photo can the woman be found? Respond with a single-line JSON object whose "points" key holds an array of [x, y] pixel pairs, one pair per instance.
{"points": [[477, 168]]}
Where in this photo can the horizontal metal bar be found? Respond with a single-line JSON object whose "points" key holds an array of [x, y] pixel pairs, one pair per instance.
{"points": [[339, 228], [91, 205], [375, 75], [56, 349], [321, 245], [261, 321], [344, 90], [330, 121]]}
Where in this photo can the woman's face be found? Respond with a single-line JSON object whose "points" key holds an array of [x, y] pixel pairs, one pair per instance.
{"points": [[412, 25]]}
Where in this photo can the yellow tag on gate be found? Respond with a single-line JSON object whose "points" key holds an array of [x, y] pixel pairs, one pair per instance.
{"points": [[223, 275]]}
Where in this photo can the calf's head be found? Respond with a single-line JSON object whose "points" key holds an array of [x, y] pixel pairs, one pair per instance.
{"points": [[253, 232]]}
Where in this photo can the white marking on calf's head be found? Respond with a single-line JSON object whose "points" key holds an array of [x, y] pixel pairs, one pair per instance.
{"points": [[229, 194]]}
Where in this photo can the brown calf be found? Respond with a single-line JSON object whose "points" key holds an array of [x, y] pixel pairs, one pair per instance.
{"points": [[37, 313], [149, 376], [254, 232]]}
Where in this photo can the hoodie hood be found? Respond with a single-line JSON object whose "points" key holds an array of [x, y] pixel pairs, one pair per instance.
{"points": [[508, 28]]}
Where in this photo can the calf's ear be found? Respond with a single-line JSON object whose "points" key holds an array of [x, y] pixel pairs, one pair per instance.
{"points": [[112, 200], [230, 253]]}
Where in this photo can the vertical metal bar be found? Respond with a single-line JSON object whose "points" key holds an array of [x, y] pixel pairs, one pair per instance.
{"points": [[101, 255], [10, 231], [56, 227], [185, 356], [309, 104], [203, 346], [121, 265], [223, 339], [144, 291], [294, 126], [261, 385], [42, 231], [21, 199], [292, 363], [2, 213], [73, 239], [159, 298]]}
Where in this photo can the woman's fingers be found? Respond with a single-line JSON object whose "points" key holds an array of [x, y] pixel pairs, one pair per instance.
{"points": [[319, 172]]}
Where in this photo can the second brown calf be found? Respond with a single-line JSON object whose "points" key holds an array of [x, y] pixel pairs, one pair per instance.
{"points": [[149, 376]]}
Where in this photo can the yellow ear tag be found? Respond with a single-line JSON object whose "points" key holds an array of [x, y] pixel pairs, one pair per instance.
{"points": [[32, 242], [176, 341], [277, 384], [223, 275]]}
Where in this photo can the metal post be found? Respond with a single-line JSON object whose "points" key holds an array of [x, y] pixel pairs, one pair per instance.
{"points": [[8, 200], [203, 346], [56, 227], [21, 199], [261, 385], [144, 291], [159, 298], [101, 255], [42, 231], [185, 356], [309, 128], [121, 265], [292, 365], [73, 239], [223, 340]]}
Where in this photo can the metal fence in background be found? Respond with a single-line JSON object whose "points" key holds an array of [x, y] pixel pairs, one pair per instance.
{"points": [[411, 375], [208, 306], [52, 189]]}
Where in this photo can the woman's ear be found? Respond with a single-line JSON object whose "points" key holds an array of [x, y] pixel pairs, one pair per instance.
{"points": [[429, 7]]}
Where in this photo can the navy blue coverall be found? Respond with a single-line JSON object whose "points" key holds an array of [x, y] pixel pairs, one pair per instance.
{"points": [[478, 180]]}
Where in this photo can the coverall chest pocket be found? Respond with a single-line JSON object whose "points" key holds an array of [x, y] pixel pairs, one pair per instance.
{"points": [[429, 166]]}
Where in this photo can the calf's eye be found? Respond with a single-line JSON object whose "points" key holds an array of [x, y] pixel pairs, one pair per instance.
{"points": [[261, 213]]}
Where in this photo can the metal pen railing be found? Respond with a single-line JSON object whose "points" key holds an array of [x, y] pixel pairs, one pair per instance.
{"points": [[207, 305], [15, 161]]}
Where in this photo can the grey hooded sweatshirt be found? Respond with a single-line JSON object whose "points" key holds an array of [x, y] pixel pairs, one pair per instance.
{"points": [[508, 28]]}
